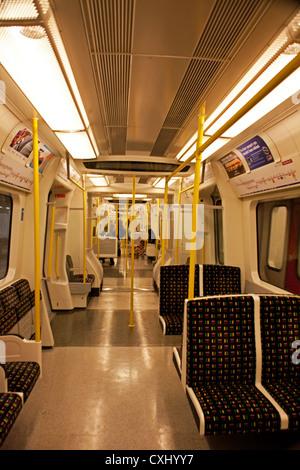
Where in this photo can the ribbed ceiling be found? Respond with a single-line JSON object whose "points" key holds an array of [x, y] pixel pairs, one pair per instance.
{"points": [[155, 61], [110, 29], [212, 54]]}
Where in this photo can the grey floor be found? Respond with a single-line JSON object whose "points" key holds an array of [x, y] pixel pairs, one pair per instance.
{"points": [[107, 386]]}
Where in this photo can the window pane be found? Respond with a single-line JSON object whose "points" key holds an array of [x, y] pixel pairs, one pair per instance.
{"points": [[5, 225], [277, 237]]}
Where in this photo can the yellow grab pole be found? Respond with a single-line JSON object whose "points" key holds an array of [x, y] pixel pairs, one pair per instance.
{"points": [[163, 245], [56, 256], [186, 189], [195, 203], [117, 221], [157, 234], [36, 229], [98, 221], [131, 320], [177, 227], [51, 242], [126, 247], [84, 230], [92, 229]]}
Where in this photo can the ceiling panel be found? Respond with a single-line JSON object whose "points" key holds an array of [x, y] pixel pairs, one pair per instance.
{"points": [[144, 66]]}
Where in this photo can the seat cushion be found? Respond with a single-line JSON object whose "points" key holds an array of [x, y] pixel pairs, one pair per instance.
{"points": [[21, 376], [232, 408], [174, 324], [287, 395], [10, 407]]}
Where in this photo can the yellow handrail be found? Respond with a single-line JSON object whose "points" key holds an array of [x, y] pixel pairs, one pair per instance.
{"points": [[36, 229], [51, 242], [195, 203], [163, 243], [178, 218], [270, 86], [157, 234], [131, 320], [84, 229], [98, 220], [56, 256]]}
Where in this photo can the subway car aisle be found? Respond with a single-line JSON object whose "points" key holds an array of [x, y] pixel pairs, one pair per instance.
{"points": [[106, 386], [116, 387]]}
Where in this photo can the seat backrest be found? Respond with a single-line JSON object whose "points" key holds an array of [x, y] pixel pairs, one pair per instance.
{"points": [[220, 340], [23, 288], [280, 327], [174, 285], [219, 280]]}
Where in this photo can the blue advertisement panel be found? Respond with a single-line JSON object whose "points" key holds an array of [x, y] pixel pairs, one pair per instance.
{"points": [[256, 153]]}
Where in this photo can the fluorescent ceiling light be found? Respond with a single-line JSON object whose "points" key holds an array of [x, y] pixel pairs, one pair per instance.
{"points": [[77, 144], [28, 57], [28, 54], [130, 196], [224, 111], [284, 91], [160, 182], [251, 91], [98, 180]]}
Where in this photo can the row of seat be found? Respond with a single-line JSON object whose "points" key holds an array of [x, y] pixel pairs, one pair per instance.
{"points": [[80, 291], [20, 359], [174, 284], [237, 367]]}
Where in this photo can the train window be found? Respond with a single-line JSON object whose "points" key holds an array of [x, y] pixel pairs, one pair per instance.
{"points": [[5, 227], [277, 237], [278, 241]]}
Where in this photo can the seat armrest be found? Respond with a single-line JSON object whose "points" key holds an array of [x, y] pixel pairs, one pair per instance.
{"points": [[22, 350], [3, 380]]}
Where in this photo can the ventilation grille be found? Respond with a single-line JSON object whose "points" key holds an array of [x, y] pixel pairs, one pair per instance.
{"points": [[109, 26], [216, 47]]}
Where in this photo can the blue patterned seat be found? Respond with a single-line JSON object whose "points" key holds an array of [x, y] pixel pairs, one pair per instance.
{"points": [[280, 327], [221, 367], [10, 407]]}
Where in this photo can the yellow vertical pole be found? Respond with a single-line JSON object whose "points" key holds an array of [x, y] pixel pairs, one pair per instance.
{"points": [[195, 202], [126, 248], [51, 242], [157, 234], [163, 246], [84, 230], [117, 221], [92, 227], [131, 320], [56, 256], [177, 228], [36, 228], [98, 221]]}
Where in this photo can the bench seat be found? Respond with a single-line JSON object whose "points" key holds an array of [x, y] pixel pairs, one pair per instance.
{"points": [[235, 409], [21, 377], [237, 366], [10, 407]]}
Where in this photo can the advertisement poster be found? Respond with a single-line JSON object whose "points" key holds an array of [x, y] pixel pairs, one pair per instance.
{"points": [[256, 153], [21, 146], [233, 165]]}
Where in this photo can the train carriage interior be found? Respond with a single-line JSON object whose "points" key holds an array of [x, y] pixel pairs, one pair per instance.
{"points": [[149, 225]]}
